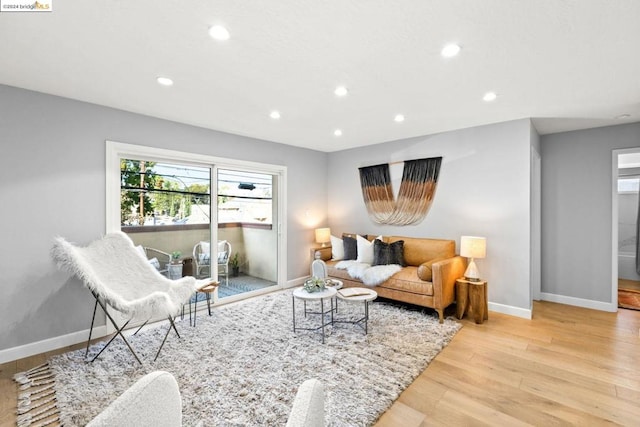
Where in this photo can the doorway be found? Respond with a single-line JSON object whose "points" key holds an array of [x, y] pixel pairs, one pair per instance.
{"points": [[626, 280]]}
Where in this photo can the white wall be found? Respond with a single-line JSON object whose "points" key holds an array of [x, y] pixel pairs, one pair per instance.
{"points": [[483, 190], [52, 182], [577, 213]]}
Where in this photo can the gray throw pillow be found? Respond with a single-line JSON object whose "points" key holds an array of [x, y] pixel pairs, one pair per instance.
{"points": [[350, 247], [388, 253]]}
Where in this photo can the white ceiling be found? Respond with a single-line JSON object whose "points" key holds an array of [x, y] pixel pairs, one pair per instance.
{"points": [[569, 64]]}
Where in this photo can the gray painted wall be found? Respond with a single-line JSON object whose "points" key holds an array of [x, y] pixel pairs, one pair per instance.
{"points": [[52, 182], [483, 190], [577, 211]]}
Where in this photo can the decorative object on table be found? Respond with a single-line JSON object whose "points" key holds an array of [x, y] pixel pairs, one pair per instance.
{"points": [[314, 284], [255, 375], [175, 257], [234, 262], [333, 283], [323, 236], [417, 189], [318, 267], [473, 247]]}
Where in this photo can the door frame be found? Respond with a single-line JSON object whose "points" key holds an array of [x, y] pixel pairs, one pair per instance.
{"points": [[614, 221]]}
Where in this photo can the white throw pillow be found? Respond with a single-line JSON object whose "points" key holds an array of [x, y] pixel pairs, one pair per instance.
{"points": [[154, 262], [337, 248], [205, 247], [365, 249]]}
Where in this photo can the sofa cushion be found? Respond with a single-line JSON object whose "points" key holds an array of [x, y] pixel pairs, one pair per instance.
{"points": [[365, 249], [404, 280], [350, 247], [407, 280], [337, 248], [332, 271], [388, 253], [424, 270], [418, 251]]}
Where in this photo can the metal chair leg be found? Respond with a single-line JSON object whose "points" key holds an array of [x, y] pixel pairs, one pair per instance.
{"points": [[172, 325], [118, 332], [93, 319]]}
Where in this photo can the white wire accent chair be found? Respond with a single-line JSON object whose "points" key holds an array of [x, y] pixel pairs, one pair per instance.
{"points": [[120, 277], [159, 259], [202, 259]]}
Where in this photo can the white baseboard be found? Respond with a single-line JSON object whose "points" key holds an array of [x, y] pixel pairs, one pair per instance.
{"points": [[22, 351], [510, 310], [579, 302]]}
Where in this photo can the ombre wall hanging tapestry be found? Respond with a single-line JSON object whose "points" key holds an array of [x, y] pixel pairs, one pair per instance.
{"points": [[417, 189]]}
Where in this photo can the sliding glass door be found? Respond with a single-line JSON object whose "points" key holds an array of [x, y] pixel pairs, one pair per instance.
{"points": [[246, 212], [201, 216]]}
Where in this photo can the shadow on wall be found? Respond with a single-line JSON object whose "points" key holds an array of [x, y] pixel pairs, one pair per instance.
{"points": [[40, 299]]}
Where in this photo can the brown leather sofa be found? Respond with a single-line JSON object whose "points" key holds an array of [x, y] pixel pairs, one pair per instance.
{"points": [[428, 279]]}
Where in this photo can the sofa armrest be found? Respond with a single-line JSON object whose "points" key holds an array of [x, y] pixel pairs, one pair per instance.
{"points": [[445, 274], [325, 253]]}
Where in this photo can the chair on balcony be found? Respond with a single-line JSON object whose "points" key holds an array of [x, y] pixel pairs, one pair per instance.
{"points": [[119, 276], [159, 259], [202, 259]]}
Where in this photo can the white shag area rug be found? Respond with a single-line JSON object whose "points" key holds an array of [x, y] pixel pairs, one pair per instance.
{"points": [[242, 366]]}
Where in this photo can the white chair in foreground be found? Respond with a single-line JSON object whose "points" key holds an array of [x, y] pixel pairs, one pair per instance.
{"points": [[154, 401], [308, 406], [119, 276]]}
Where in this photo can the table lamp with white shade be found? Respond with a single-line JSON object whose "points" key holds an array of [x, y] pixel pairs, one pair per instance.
{"points": [[323, 236], [473, 247]]}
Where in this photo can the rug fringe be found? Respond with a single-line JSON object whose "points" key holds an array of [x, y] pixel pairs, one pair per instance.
{"points": [[37, 406]]}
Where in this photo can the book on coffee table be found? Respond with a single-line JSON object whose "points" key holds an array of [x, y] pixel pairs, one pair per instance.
{"points": [[353, 292]]}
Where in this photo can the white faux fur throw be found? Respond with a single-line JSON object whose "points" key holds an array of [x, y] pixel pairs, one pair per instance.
{"points": [[370, 276], [120, 275]]}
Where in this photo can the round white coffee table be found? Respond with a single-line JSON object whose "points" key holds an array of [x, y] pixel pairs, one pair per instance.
{"points": [[300, 293], [365, 295]]}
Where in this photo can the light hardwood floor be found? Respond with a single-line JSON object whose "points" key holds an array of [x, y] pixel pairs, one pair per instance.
{"points": [[566, 366], [629, 284]]}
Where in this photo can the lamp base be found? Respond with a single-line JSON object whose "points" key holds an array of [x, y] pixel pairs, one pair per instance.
{"points": [[472, 274]]}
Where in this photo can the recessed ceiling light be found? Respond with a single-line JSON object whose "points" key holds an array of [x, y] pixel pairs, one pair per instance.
{"points": [[489, 96], [275, 115], [341, 91], [623, 116], [450, 50], [399, 118], [337, 132], [219, 32], [164, 81]]}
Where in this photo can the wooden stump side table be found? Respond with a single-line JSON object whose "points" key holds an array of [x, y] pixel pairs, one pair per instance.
{"points": [[472, 295]]}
